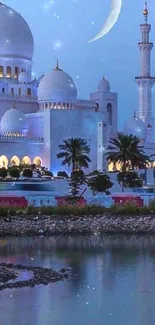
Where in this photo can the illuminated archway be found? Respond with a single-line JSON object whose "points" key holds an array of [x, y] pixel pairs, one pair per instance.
{"points": [[26, 161], [8, 72], [110, 166], [29, 92], [16, 72], [37, 161], [1, 71], [15, 161], [3, 162]]}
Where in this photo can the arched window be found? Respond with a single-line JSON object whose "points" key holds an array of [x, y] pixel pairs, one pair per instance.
{"points": [[97, 107], [15, 161], [16, 72], [19, 92], [26, 161], [109, 111], [37, 161], [12, 91], [29, 92], [1, 72], [3, 90], [3, 162], [8, 72]]}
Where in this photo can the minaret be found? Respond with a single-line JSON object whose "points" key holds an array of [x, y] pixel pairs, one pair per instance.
{"points": [[145, 81]]}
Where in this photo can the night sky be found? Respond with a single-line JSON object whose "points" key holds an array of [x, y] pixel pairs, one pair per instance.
{"points": [[62, 28]]}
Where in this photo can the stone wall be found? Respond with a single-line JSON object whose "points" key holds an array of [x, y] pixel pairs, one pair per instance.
{"points": [[46, 225]]}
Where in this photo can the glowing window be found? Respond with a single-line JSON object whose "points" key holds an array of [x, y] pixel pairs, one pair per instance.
{"points": [[8, 72], [1, 72]]}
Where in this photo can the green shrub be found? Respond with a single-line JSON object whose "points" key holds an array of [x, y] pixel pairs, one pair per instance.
{"points": [[151, 205], [62, 174], [28, 173], [14, 172]]}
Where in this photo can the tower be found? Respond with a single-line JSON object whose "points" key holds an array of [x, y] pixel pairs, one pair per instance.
{"points": [[145, 81]]}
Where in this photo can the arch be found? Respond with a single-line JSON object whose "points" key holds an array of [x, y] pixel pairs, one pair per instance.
{"points": [[15, 161], [16, 72], [110, 166], [26, 161], [12, 91], [19, 92], [37, 161], [109, 111], [3, 90], [29, 92], [8, 72], [3, 161], [1, 71]]}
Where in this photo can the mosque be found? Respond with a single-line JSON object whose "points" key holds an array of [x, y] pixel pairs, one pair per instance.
{"points": [[36, 115]]}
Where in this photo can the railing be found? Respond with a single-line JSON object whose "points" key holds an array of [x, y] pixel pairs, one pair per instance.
{"points": [[20, 137], [17, 96]]}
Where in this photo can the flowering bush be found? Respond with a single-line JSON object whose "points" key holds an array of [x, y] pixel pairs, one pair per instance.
{"points": [[9, 201], [70, 201]]}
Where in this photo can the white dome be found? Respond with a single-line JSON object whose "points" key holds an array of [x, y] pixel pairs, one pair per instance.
{"points": [[13, 121], [135, 126], [57, 86], [24, 77], [40, 78], [104, 85], [15, 34]]}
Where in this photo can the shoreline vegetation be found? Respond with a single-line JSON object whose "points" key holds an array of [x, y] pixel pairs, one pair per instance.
{"points": [[77, 220]]}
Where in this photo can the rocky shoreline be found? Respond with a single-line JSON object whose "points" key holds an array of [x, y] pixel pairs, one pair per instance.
{"points": [[64, 225], [40, 275]]}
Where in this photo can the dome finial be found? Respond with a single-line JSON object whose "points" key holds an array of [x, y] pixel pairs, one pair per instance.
{"points": [[145, 12], [57, 66]]}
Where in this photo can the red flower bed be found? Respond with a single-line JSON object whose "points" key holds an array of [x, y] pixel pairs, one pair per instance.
{"points": [[124, 199], [65, 201], [9, 201]]}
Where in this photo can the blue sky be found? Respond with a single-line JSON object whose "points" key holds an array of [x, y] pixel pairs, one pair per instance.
{"points": [[62, 28]]}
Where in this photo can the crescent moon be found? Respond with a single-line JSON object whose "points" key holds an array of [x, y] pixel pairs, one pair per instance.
{"points": [[116, 6]]}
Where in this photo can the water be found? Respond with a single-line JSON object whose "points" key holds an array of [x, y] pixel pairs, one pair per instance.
{"points": [[112, 281]]}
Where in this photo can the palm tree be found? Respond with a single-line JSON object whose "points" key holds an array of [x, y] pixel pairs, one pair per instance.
{"points": [[74, 152], [127, 150]]}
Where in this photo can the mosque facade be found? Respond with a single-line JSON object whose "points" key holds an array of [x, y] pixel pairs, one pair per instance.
{"points": [[36, 115]]}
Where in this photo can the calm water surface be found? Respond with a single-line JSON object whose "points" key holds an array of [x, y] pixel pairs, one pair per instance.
{"points": [[112, 281]]}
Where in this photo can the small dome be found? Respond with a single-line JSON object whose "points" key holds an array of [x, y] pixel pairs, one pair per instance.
{"points": [[13, 121], [57, 86], [34, 82], [24, 78], [104, 85], [135, 126], [15, 34]]}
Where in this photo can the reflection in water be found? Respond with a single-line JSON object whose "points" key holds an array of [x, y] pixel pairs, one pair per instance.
{"points": [[112, 281]]}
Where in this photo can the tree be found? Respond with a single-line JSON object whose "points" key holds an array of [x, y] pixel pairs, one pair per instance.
{"points": [[62, 174], [27, 173], [47, 173], [14, 172], [127, 150], [100, 183], [77, 179], [74, 152], [3, 173], [129, 180]]}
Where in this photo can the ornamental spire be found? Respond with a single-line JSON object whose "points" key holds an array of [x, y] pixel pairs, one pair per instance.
{"points": [[145, 12], [57, 66]]}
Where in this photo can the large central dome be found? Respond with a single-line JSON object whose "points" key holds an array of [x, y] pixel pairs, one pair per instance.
{"points": [[16, 39]]}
